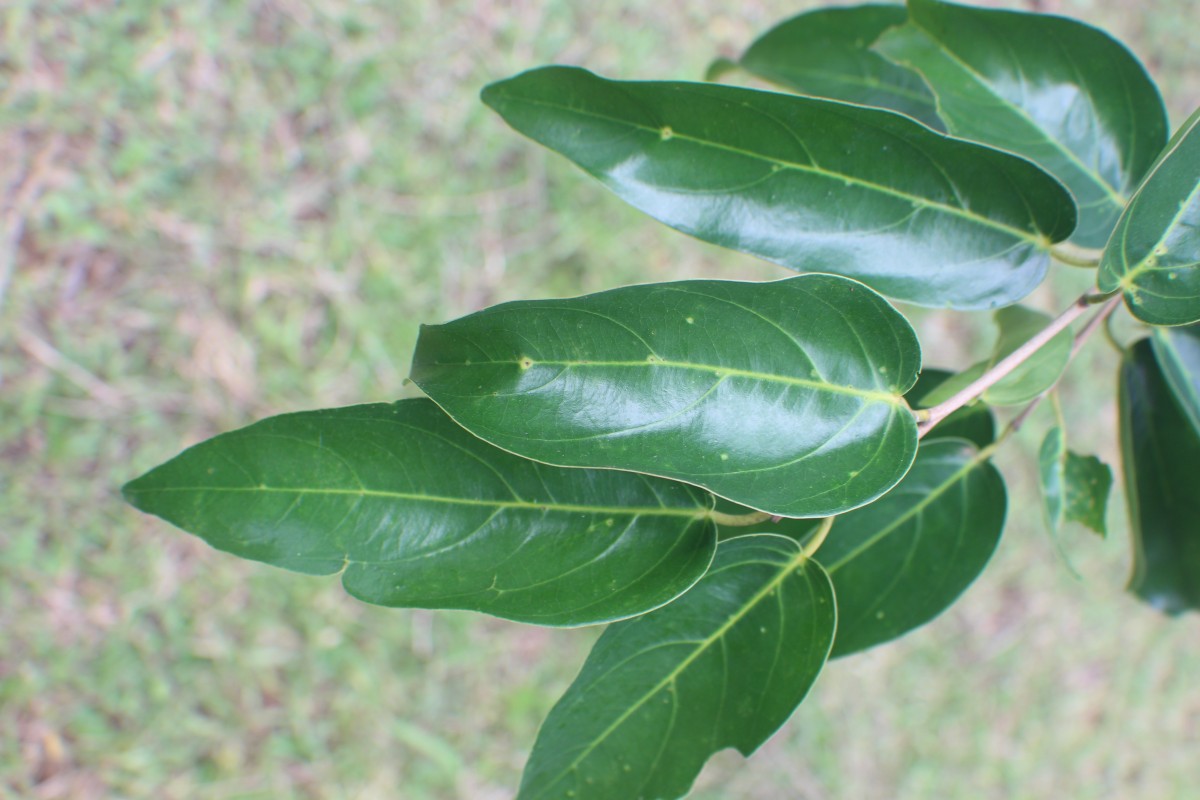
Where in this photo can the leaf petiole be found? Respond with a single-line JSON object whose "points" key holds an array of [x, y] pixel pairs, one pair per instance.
{"points": [[818, 538]]}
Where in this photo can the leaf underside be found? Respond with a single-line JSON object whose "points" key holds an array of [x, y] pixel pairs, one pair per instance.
{"points": [[786, 397], [1161, 455], [812, 184], [414, 511], [1061, 93], [723, 666]]}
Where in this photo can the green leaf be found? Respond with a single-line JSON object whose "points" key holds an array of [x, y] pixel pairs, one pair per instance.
{"points": [[1154, 254], [975, 422], [899, 562], [1062, 93], [1075, 488], [811, 184], [414, 511], [1161, 456], [785, 396], [826, 53], [1016, 325], [1178, 353], [723, 666]]}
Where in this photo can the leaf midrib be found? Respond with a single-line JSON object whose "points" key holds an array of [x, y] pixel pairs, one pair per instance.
{"points": [[718, 371], [916, 200], [566, 508]]}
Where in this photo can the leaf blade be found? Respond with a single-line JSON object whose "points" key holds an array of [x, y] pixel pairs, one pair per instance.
{"points": [[1160, 452], [1178, 353], [1153, 257], [414, 511], [1062, 93], [656, 696], [1075, 488], [800, 414], [795, 180], [826, 53], [899, 562]]}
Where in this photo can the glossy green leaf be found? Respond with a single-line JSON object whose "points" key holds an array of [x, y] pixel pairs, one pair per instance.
{"points": [[811, 184], [1062, 93], [1154, 254], [1178, 353], [784, 396], [975, 422], [826, 53], [1161, 456], [723, 666], [414, 511], [899, 562], [1016, 325], [1075, 488]]}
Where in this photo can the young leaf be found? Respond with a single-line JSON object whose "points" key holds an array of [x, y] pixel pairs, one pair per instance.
{"points": [[1016, 325], [826, 53], [414, 511], [785, 396], [1062, 93], [1178, 353], [1161, 456], [1154, 253], [1075, 488], [811, 184], [899, 562], [976, 423], [723, 666]]}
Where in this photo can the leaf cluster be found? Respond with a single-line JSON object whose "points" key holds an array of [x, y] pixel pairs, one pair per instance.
{"points": [[747, 479]]}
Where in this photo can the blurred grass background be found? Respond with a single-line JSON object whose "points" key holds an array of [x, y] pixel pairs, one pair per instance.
{"points": [[217, 211]]}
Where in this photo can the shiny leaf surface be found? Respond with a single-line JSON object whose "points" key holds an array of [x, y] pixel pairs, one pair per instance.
{"points": [[826, 53], [975, 422], [899, 562], [723, 666], [1075, 488], [1154, 254], [1062, 93], [1015, 326], [808, 183], [1178, 353], [414, 511], [784, 396], [1161, 455]]}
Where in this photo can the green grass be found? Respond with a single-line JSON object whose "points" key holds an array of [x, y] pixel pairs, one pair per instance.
{"points": [[213, 212]]}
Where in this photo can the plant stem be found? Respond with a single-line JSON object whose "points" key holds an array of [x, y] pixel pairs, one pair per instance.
{"points": [[1080, 339], [1089, 327], [818, 537], [1076, 257], [738, 520], [1003, 367]]}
